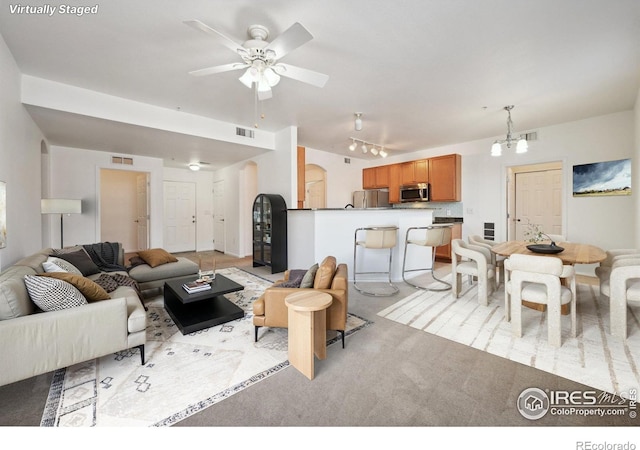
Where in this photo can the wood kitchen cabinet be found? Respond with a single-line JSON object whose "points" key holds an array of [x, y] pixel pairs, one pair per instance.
{"points": [[375, 177], [394, 183], [413, 172], [443, 253], [445, 178]]}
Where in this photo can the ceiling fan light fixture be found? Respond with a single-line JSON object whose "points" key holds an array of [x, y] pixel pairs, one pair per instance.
{"points": [[271, 77], [194, 166], [247, 78]]}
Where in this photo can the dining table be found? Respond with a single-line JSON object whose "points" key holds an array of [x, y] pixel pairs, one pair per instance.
{"points": [[573, 253]]}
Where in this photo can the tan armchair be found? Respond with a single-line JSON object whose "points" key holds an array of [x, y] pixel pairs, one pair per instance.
{"points": [[270, 310]]}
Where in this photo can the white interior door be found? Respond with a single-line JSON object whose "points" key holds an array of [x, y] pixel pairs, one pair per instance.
{"points": [[538, 200], [179, 216], [218, 217], [142, 210]]}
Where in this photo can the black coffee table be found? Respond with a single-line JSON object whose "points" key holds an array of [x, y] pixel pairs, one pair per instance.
{"points": [[193, 312]]}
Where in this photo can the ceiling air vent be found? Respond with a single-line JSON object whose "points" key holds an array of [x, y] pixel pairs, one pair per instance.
{"points": [[121, 160], [244, 132]]}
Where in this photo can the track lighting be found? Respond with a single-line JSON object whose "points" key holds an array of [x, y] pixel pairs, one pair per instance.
{"points": [[365, 147], [357, 125], [521, 142]]}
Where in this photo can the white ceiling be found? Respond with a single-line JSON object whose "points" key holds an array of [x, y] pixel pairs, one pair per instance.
{"points": [[424, 73]]}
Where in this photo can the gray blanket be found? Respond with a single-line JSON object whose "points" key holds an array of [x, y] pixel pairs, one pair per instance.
{"points": [[105, 256]]}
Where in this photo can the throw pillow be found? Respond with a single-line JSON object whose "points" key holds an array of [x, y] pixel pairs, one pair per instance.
{"points": [[324, 276], [89, 289], [156, 257], [51, 294], [309, 277], [82, 261], [60, 251], [55, 264]]}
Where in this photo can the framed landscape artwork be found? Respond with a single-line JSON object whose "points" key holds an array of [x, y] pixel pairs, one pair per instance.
{"points": [[602, 178], [3, 214]]}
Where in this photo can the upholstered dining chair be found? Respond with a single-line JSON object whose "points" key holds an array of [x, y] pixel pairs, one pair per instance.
{"points": [[475, 261], [496, 260], [620, 281], [537, 279]]}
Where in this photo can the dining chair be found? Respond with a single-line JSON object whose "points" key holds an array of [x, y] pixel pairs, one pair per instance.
{"points": [[475, 261], [496, 260], [603, 271], [622, 286], [537, 279]]}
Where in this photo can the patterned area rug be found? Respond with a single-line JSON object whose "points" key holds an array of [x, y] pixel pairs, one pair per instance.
{"points": [[593, 358], [182, 374]]}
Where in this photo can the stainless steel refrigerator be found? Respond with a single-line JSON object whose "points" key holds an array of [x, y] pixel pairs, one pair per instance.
{"points": [[371, 198]]}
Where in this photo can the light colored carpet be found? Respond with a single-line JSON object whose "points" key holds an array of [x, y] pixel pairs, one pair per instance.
{"points": [[593, 358], [182, 374]]}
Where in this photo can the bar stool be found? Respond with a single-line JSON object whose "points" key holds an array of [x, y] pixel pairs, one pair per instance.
{"points": [[435, 236], [376, 237]]}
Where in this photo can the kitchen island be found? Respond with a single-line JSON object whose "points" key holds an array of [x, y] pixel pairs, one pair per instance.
{"points": [[313, 234]]}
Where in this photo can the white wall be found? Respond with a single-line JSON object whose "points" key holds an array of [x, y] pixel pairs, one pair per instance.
{"points": [[20, 164], [75, 173], [342, 178], [636, 171]]}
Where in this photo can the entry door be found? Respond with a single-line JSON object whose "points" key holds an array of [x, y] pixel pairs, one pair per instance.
{"points": [[538, 201], [142, 210], [218, 216], [179, 216]]}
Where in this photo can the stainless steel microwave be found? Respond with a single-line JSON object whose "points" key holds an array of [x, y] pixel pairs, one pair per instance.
{"points": [[414, 192]]}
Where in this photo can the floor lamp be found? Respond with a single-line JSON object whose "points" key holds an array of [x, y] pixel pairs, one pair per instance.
{"points": [[60, 206]]}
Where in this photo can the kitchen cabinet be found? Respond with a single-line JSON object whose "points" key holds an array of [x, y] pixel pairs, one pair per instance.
{"points": [[394, 183], [443, 253], [375, 177], [413, 172], [445, 178], [270, 232]]}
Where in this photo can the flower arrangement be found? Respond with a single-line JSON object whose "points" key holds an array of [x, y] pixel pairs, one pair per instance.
{"points": [[534, 233]]}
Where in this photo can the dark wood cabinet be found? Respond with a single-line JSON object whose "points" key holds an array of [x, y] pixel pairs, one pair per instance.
{"points": [[270, 232]]}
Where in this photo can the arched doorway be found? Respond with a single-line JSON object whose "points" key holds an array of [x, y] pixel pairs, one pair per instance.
{"points": [[315, 185]]}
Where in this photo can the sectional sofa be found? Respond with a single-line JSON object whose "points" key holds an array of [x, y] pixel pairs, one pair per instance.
{"points": [[50, 319]]}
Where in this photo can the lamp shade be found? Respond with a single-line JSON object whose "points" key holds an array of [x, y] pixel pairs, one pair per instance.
{"points": [[60, 206]]}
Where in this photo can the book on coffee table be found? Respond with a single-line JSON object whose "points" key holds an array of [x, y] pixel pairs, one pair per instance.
{"points": [[196, 286]]}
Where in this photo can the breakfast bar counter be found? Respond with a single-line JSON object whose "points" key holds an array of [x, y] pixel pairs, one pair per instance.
{"points": [[313, 234]]}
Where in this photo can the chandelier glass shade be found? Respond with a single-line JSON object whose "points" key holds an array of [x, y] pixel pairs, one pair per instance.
{"points": [[520, 141]]}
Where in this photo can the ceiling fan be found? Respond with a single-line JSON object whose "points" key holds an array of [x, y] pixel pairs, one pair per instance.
{"points": [[262, 58]]}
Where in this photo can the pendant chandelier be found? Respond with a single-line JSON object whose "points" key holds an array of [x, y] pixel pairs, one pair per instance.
{"points": [[520, 141]]}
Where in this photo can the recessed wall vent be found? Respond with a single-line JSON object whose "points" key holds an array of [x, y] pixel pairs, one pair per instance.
{"points": [[533, 136], [244, 132], [121, 160], [489, 231], [347, 160]]}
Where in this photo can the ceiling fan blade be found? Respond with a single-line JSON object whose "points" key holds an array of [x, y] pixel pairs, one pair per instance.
{"points": [[298, 73], [224, 40], [218, 69], [292, 38]]}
